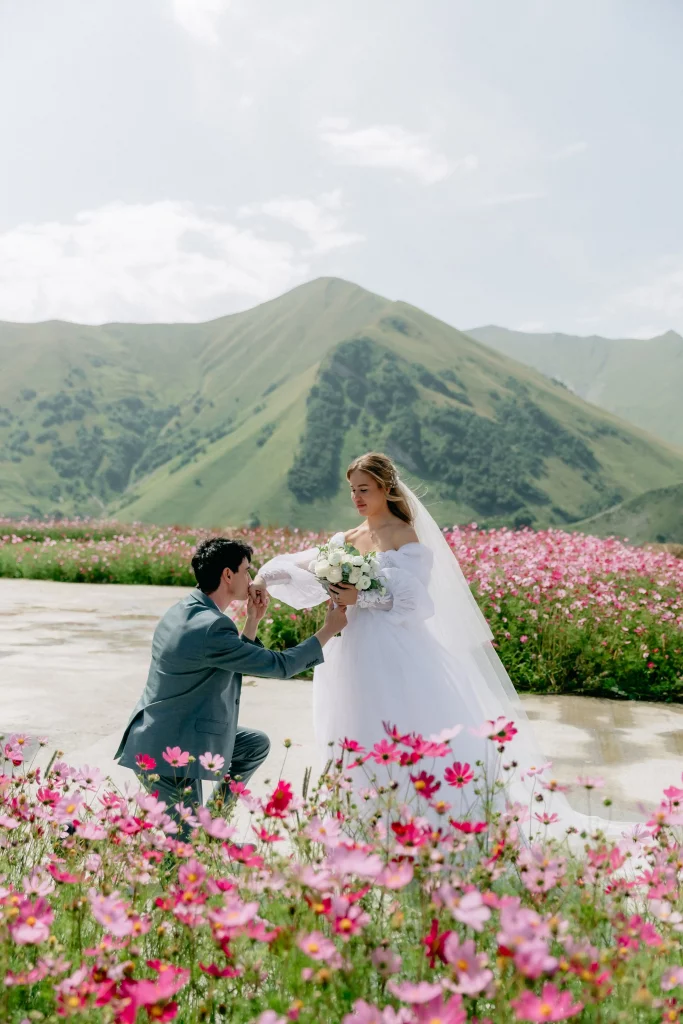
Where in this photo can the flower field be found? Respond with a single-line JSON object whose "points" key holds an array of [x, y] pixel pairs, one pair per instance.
{"points": [[350, 903], [570, 613]]}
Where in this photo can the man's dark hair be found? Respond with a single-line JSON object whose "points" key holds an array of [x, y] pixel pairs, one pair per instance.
{"points": [[213, 556]]}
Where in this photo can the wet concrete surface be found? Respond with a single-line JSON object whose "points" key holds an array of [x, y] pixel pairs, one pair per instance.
{"points": [[74, 657]]}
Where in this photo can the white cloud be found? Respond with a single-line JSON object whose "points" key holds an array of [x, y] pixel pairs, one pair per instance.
{"points": [[167, 261], [200, 18], [572, 150], [321, 219], [391, 147], [511, 198]]}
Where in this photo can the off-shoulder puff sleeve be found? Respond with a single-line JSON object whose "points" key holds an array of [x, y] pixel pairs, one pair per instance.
{"points": [[405, 577]]}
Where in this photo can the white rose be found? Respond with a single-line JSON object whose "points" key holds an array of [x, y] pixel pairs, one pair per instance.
{"points": [[334, 558], [355, 575], [322, 568], [364, 583], [334, 574], [357, 560]]}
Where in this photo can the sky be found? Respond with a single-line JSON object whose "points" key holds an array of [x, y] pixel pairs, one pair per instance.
{"points": [[516, 162]]}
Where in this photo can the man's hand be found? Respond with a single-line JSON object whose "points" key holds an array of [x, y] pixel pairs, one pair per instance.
{"points": [[257, 604], [258, 590], [335, 621], [256, 609], [344, 593]]}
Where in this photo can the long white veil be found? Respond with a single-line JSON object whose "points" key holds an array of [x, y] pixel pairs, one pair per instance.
{"points": [[459, 625]]}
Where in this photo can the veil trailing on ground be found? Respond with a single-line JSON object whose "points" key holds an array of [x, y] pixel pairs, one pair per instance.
{"points": [[459, 626], [458, 623]]}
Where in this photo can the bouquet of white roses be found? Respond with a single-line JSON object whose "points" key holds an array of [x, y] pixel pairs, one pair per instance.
{"points": [[338, 562]]}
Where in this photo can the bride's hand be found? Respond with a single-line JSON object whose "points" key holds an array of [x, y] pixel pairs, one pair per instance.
{"points": [[344, 594]]}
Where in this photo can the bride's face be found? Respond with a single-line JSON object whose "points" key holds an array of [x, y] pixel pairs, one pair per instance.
{"points": [[368, 496]]}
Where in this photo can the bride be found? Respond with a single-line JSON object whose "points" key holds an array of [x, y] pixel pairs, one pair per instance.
{"points": [[420, 655]]}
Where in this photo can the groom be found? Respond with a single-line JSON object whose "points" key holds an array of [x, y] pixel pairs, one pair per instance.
{"points": [[192, 696]]}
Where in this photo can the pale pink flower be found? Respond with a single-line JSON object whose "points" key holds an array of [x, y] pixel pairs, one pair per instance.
{"points": [[472, 910], [385, 961], [317, 946], [212, 762], [414, 993], [326, 832], [32, 926], [270, 1017], [445, 1011], [590, 782], [89, 778], [672, 978], [396, 875], [472, 974], [551, 1005], [218, 828]]}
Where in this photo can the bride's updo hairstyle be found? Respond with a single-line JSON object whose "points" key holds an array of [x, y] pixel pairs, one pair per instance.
{"points": [[381, 468]]}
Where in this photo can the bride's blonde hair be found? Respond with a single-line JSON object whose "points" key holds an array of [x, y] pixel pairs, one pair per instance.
{"points": [[381, 468]]}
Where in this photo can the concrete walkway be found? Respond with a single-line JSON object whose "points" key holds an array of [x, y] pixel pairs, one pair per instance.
{"points": [[74, 658]]}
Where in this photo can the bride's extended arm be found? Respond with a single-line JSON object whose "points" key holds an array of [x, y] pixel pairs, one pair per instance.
{"points": [[289, 579]]}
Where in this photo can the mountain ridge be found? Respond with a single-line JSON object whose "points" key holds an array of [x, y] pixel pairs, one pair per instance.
{"points": [[639, 380], [252, 417]]}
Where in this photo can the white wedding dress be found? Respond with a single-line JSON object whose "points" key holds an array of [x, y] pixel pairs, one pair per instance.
{"points": [[386, 666], [421, 659]]}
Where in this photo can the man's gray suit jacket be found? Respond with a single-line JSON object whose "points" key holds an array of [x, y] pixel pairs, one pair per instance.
{"points": [[192, 696]]}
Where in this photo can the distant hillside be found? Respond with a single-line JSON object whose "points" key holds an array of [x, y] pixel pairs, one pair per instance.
{"points": [[255, 416], [640, 381], [654, 516]]}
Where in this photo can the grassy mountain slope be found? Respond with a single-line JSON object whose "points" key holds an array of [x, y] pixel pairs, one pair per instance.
{"points": [[640, 381], [654, 516], [257, 414]]}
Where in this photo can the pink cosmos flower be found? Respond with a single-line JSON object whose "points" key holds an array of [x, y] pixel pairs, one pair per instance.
{"points": [[551, 1005], [415, 993], [67, 808], [212, 762], [672, 978], [176, 757], [458, 775], [270, 1017], [317, 946], [499, 730], [217, 828], [444, 1011], [145, 762], [385, 961], [471, 910], [326, 832], [396, 875], [32, 926], [587, 782], [469, 966], [385, 752]]}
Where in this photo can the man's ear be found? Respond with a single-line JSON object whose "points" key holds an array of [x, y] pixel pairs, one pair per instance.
{"points": [[227, 575]]}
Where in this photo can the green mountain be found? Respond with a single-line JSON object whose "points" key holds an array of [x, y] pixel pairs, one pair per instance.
{"points": [[654, 516], [640, 381], [255, 416]]}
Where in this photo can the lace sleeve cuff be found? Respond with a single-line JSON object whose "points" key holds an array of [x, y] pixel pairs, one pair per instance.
{"points": [[275, 576], [375, 599]]}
